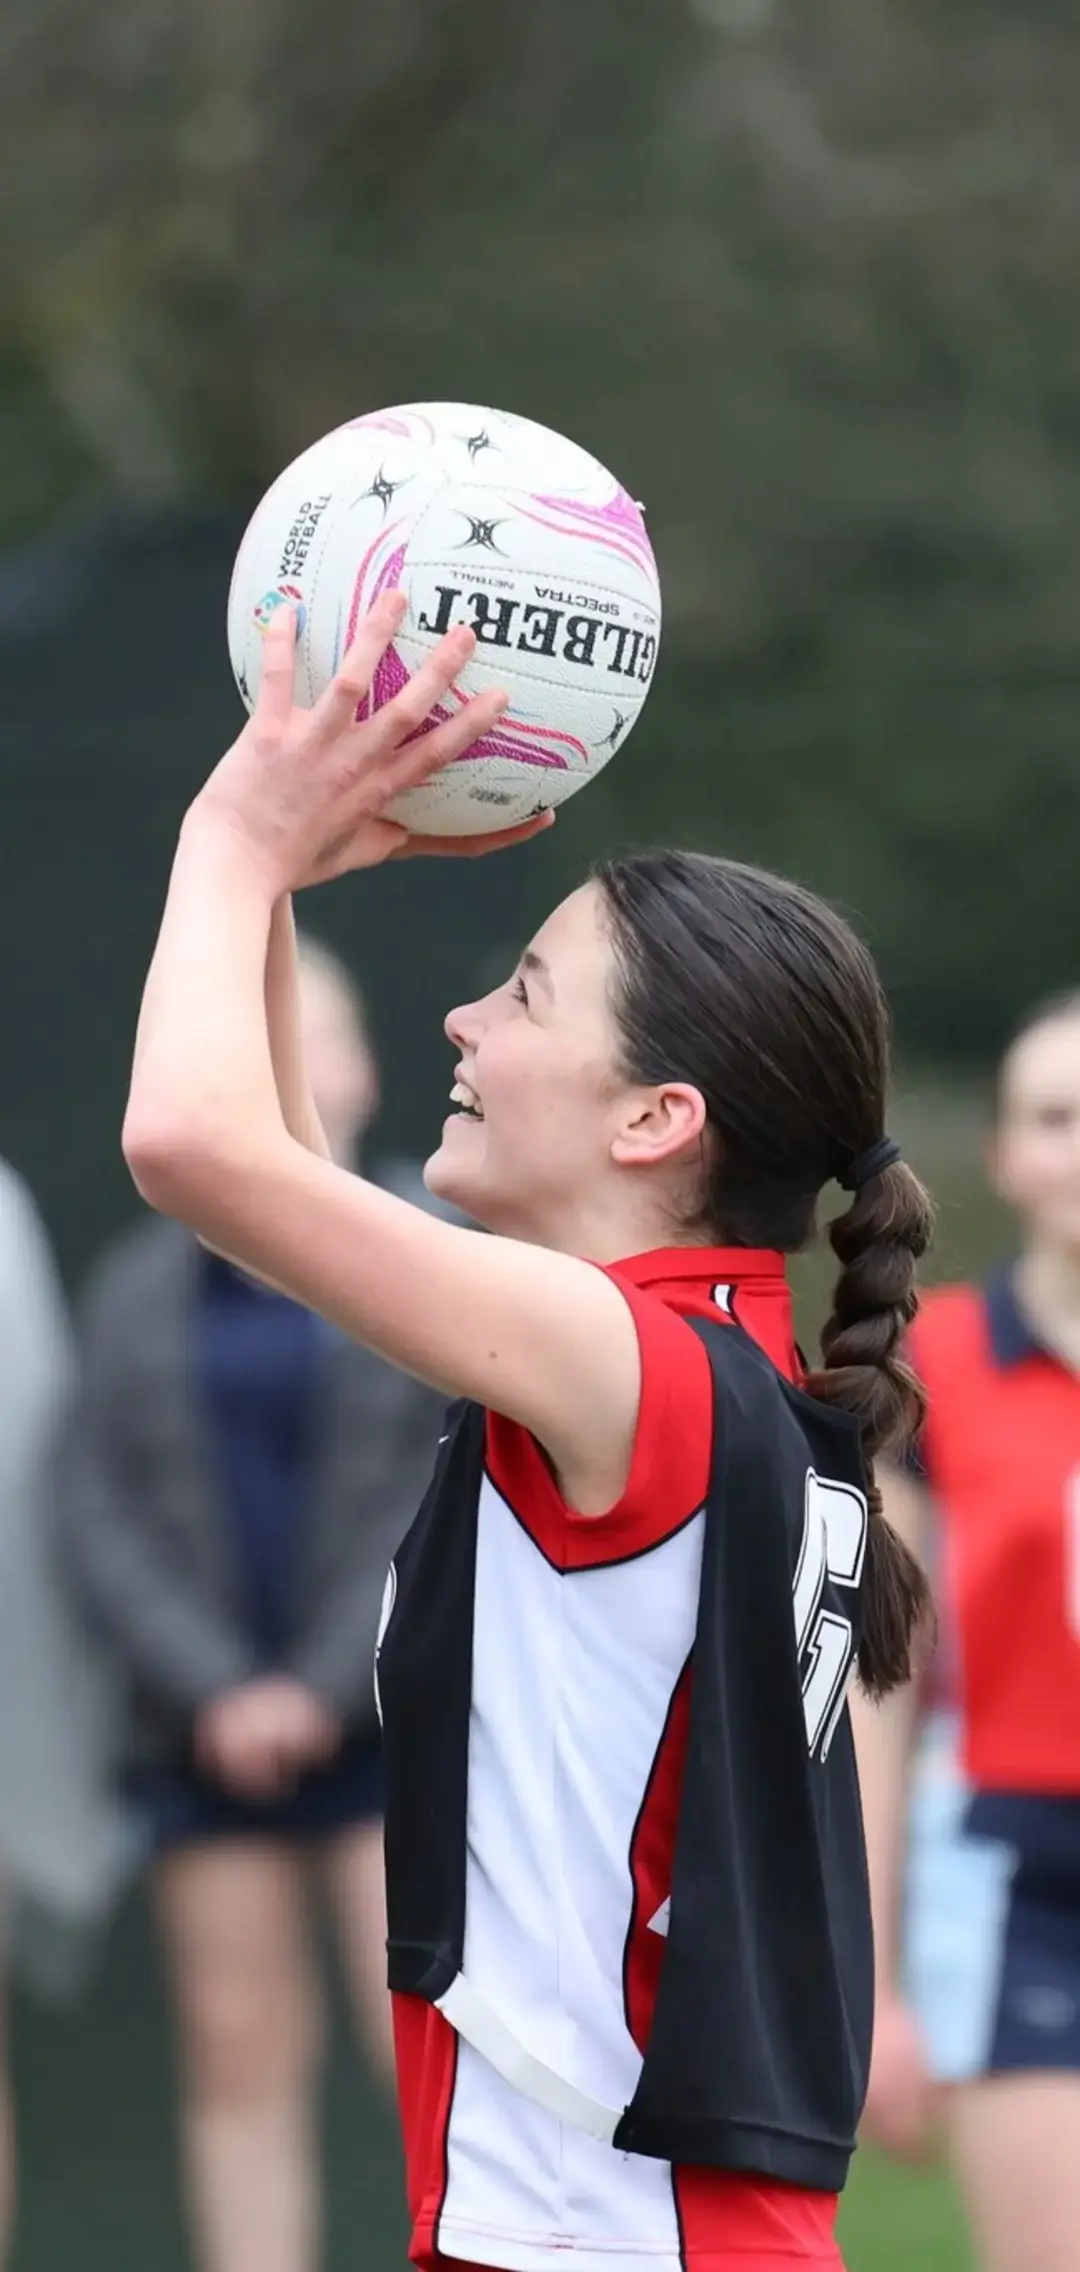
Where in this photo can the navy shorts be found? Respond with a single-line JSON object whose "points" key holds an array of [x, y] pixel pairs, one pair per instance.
{"points": [[992, 1925]]}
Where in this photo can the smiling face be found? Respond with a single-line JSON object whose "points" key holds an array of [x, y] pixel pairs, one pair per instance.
{"points": [[548, 1140], [1035, 1154]]}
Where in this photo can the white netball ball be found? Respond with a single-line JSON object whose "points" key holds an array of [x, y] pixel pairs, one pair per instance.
{"points": [[484, 518]]}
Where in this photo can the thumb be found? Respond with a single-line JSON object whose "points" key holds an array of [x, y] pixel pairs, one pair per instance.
{"points": [[365, 845]]}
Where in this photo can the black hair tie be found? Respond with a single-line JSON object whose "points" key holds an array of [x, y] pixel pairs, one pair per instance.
{"points": [[866, 1165]]}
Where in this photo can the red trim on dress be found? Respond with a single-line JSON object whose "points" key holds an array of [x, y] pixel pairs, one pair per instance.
{"points": [[651, 1852]]}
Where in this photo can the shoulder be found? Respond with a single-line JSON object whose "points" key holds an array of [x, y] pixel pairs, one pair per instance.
{"points": [[671, 1459], [673, 1444]]}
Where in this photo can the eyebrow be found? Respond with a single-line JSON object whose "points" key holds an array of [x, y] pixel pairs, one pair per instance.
{"points": [[537, 968]]}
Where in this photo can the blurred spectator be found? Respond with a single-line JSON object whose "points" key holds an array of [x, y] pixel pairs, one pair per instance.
{"points": [[978, 1934], [236, 1477], [63, 1842]]}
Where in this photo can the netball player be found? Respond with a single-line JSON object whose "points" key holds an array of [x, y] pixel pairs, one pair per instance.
{"points": [[993, 1872], [629, 1924]]}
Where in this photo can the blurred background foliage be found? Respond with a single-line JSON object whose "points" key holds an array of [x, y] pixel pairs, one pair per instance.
{"points": [[806, 277]]}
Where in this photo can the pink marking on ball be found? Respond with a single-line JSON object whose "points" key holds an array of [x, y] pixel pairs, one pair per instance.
{"points": [[391, 675], [383, 422], [389, 576], [524, 745], [590, 525], [618, 525], [620, 515]]}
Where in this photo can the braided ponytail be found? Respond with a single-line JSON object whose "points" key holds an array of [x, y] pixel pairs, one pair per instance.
{"points": [[878, 1242], [767, 1001]]}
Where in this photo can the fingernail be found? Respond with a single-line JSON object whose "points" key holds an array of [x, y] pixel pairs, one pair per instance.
{"points": [[396, 604]]}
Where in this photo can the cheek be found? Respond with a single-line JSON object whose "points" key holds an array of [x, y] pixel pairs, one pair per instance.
{"points": [[1039, 1168], [536, 1100]]}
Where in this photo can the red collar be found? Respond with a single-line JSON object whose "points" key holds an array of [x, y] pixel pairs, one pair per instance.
{"points": [[727, 1264]]}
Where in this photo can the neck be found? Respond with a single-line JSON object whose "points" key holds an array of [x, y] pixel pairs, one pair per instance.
{"points": [[601, 1230], [1048, 1282]]}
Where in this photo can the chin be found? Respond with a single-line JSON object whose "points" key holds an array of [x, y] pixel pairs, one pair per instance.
{"points": [[449, 1180], [439, 1176]]}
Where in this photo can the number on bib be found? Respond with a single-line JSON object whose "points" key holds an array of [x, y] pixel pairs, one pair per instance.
{"points": [[833, 1547]]}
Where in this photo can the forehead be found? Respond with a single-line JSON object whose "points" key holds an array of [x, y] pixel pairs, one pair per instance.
{"points": [[1043, 1067], [574, 933]]}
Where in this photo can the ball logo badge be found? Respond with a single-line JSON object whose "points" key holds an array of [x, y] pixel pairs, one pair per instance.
{"points": [[266, 608]]}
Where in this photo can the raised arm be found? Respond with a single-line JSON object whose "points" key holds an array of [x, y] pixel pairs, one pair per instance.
{"points": [[282, 998], [539, 1336]]}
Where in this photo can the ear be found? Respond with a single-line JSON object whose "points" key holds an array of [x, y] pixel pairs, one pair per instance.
{"points": [[659, 1124]]}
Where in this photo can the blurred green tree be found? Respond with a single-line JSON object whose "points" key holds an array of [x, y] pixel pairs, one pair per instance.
{"points": [[806, 277]]}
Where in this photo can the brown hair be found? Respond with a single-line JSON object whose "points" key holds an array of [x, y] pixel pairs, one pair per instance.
{"points": [[764, 999]]}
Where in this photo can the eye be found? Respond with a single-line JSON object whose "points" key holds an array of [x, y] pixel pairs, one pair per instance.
{"points": [[520, 990]]}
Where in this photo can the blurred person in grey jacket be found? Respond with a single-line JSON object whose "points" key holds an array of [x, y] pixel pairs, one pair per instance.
{"points": [[64, 1843], [235, 1478]]}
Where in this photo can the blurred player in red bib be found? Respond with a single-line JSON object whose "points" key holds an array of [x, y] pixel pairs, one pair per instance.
{"points": [[979, 1950]]}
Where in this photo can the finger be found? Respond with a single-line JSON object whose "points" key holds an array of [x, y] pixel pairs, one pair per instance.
{"points": [[411, 709], [337, 708], [274, 701], [473, 847], [428, 752]]}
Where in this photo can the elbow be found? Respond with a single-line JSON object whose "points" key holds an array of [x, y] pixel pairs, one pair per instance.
{"points": [[195, 1166], [171, 1158]]}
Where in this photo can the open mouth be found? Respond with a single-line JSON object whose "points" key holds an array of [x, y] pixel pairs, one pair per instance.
{"points": [[466, 1102]]}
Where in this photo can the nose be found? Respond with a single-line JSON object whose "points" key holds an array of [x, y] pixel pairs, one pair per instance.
{"points": [[465, 1026], [462, 1026]]}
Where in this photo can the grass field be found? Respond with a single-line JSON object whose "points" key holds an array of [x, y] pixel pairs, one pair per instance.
{"points": [[897, 2220]]}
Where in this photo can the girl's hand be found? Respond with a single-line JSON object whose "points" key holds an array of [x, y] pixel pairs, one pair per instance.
{"points": [[306, 790], [901, 2100], [257, 1739]]}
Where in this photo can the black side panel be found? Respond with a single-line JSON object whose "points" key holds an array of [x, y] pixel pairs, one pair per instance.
{"points": [[425, 1677]]}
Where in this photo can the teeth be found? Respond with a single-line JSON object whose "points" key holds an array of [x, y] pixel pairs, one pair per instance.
{"points": [[466, 1100]]}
